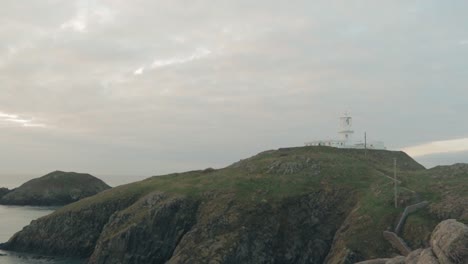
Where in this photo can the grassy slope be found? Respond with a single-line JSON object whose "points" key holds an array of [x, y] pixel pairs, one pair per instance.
{"points": [[251, 179], [273, 175]]}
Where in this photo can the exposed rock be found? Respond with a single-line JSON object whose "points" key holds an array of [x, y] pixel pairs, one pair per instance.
{"points": [[449, 242], [396, 260], [56, 188], [156, 219], [69, 232], [296, 165], [375, 261], [414, 256], [184, 230], [397, 242], [426, 257]]}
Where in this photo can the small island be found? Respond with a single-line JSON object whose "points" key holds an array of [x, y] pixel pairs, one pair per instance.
{"points": [[3, 191], [54, 189]]}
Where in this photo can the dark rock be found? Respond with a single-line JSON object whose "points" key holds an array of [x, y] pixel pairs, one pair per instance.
{"points": [[161, 222], [294, 230]]}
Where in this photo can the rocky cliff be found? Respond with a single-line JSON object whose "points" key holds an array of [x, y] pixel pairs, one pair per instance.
{"points": [[56, 188], [296, 205]]}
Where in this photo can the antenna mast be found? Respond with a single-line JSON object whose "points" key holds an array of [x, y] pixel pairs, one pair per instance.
{"points": [[395, 182], [365, 144]]}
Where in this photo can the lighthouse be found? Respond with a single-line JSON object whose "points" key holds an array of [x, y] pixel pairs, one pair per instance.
{"points": [[345, 140], [346, 132]]}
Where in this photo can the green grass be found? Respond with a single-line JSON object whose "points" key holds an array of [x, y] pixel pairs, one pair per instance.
{"points": [[363, 176], [251, 179]]}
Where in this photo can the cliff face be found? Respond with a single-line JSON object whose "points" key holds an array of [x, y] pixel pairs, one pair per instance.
{"points": [[294, 230], [158, 220], [159, 228], [304, 205], [56, 188], [72, 233]]}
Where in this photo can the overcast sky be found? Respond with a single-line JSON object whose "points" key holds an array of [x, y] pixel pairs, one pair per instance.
{"points": [[147, 87]]}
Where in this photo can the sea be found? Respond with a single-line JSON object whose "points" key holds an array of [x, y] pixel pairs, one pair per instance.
{"points": [[14, 218]]}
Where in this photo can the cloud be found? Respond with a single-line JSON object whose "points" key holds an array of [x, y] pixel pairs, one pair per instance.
{"points": [[196, 55], [15, 119], [438, 147], [87, 14], [277, 75], [77, 23], [139, 71]]}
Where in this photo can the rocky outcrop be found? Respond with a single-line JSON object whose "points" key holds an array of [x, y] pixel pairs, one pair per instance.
{"points": [[449, 242], [449, 245], [66, 235], [158, 220], [294, 230], [160, 228], [71, 231], [56, 188], [397, 242]]}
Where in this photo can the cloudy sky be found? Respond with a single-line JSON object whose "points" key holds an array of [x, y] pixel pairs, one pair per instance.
{"points": [[146, 87]]}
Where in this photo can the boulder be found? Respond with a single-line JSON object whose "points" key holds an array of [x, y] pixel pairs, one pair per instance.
{"points": [[427, 257], [449, 242]]}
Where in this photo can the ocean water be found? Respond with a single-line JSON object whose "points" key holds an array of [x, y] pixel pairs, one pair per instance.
{"points": [[12, 220]]}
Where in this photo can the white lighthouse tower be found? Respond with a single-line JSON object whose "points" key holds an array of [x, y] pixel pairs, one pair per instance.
{"points": [[346, 137], [346, 132]]}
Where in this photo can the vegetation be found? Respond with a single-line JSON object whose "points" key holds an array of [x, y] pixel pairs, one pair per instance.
{"points": [[273, 176]]}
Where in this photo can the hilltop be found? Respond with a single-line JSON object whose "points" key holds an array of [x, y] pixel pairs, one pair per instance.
{"points": [[55, 188], [292, 205]]}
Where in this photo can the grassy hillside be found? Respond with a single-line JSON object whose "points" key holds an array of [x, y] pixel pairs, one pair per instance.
{"points": [[358, 185], [275, 174]]}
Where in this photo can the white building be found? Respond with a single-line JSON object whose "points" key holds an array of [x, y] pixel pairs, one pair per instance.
{"points": [[346, 138]]}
